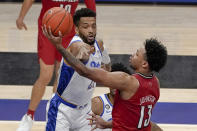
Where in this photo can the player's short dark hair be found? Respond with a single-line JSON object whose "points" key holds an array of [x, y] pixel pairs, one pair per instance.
{"points": [[156, 54], [83, 12], [119, 67]]}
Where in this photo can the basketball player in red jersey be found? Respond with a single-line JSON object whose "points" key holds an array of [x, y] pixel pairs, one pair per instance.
{"points": [[49, 58], [136, 94], [102, 106]]}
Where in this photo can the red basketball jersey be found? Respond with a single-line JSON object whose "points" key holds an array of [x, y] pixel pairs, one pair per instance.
{"points": [[69, 5], [134, 114]]}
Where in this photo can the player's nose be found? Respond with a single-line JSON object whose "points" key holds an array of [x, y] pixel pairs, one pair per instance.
{"points": [[90, 30]]}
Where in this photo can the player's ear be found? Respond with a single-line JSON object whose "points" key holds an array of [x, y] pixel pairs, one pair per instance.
{"points": [[145, 64]]}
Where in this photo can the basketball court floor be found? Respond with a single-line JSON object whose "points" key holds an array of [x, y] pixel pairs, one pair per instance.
{"points": [[123, 29]]}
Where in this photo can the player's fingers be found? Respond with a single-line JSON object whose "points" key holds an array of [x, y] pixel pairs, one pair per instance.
{"points": [[79, 56], [94, 122], [92, 114], [44, 30], [94, 128], [47, 33], [90, 119], [60, 34], [50, 33], [18, 25], [90, 122], [25, 26]]}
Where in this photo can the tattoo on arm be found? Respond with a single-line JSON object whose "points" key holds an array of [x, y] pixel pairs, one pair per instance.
{"points": [[75, 63]]}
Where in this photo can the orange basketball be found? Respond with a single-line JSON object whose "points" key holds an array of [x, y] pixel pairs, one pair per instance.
{"points": [[58, 19]]}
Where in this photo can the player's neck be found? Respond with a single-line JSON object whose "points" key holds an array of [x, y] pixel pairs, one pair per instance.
{"points": [[144, 72]]}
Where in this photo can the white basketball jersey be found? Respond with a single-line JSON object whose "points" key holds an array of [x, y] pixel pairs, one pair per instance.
{"points": [[74, 88], [107, 110]]}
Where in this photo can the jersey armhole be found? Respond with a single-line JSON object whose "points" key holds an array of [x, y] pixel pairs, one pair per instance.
{"points": [[99, 48], [103, 105]]}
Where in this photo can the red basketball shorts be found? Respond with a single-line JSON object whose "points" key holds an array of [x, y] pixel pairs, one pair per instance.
{"points": [[47, 52]]}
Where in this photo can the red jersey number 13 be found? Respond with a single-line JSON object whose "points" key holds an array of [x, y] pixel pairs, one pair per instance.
{"points": [[146, 121]]}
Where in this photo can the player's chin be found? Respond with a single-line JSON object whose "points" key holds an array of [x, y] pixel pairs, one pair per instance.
{"points": [[91, 42]]}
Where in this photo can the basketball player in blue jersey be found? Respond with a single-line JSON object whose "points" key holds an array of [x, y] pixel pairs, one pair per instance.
{"points": [[69, 107], [103, 105]]}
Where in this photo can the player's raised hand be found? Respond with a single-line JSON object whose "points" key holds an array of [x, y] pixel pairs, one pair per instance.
{"points": [[20, 24], [53, 39], [84, 52]]}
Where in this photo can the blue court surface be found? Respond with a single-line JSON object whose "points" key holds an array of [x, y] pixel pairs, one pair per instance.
{"points": [[164, 112]]}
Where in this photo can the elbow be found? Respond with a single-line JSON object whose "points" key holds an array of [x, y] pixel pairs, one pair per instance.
{"points": [[81, 73]]}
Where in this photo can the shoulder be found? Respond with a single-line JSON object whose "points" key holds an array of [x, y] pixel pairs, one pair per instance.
{"points": [[133, 83], [75, 38], [76, 44], [75, 47], [134, 80], [97, 101], [97, 105], [131, 87]]}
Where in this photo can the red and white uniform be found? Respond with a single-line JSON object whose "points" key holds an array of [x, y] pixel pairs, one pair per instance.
{"points": [[46, 51], [134, 114]]}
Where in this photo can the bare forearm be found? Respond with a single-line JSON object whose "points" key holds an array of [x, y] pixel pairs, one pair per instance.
{"points": [[25, 8], [75, 63]]}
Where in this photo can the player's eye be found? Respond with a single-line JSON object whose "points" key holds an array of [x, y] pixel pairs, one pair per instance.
{"points": [[85, 27]]}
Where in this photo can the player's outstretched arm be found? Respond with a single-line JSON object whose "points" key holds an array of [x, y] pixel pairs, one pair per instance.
{"points": [[24, 9], [116, 80]]}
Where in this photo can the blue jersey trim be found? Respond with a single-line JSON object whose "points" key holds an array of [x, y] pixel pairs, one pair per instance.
{"points": [[109, 119], [103, 106], [52, 114], [74, 42], [65, 77], [108, 100], [65, 102]]}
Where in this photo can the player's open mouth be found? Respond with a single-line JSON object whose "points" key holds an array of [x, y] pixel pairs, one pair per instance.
{"points": [[91, 38]]}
